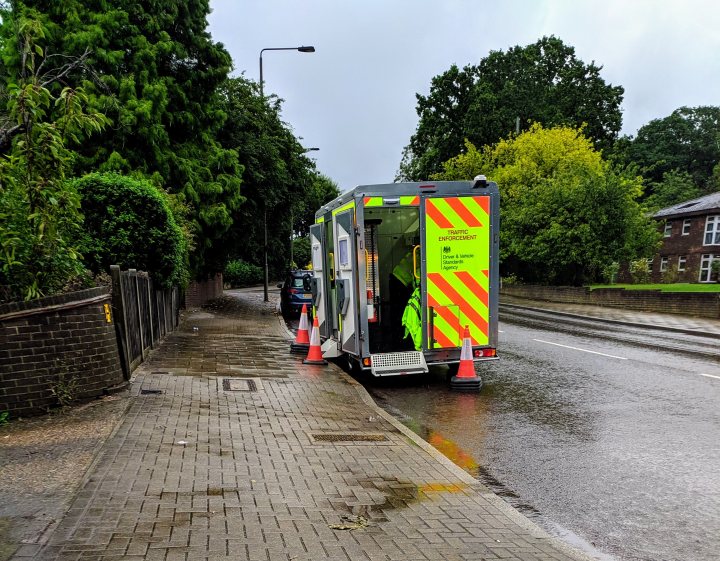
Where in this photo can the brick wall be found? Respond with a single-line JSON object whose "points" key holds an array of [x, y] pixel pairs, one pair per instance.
{"points": [[689, 245], [201, 292], [63, 342], [697, 304]]}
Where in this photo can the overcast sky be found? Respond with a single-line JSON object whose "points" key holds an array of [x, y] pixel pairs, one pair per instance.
{"points": [[354, 98]]}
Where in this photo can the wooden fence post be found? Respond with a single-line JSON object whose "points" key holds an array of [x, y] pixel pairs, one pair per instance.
{"points": [[151, 311], [138, 307], [121, 328]]}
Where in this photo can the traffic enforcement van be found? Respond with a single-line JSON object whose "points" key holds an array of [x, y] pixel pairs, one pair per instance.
{"points": [[450, 228]]}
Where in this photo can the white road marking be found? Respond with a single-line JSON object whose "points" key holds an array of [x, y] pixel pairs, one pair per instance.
{"points": [[578, 349], [710, 376]]}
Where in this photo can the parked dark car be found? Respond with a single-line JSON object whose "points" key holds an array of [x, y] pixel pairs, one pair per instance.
{"points": [[295, 292]]}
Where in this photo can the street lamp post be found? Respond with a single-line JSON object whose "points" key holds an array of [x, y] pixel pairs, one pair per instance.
{"points": [[308, 49]]}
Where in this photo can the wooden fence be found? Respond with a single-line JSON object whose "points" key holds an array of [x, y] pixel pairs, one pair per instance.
{"points": [[143, 315]]}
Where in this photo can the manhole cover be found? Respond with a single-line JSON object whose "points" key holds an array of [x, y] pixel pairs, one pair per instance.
{"points": [[240, 385], [348, 437]]}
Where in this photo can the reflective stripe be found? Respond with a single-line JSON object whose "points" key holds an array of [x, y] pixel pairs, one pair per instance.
{"points": [[373, 201], [405, 200], [414, 306], [411, 200], [346, 206]]}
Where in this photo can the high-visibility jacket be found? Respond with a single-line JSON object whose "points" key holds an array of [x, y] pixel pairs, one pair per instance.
{"points": [[412, 319], [403, 271]]}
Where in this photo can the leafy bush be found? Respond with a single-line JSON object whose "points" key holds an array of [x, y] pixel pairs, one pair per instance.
{"points": [[610, 272], [671, 275], [640, 271], [129, 222], [715, 268], [39, 211], [240, 273], [38, 244]]}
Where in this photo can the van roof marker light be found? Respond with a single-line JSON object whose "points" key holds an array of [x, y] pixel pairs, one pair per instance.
{"points": [[480, 181]]}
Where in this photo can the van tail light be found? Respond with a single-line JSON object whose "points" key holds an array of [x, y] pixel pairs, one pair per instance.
{"points": [[484, 353]]}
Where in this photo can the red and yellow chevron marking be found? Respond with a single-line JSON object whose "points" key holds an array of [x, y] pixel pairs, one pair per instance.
{"points": [[457, 238], [410, 200]]}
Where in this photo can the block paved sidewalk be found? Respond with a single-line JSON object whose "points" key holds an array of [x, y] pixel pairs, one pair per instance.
{"points": [[242, 456]]}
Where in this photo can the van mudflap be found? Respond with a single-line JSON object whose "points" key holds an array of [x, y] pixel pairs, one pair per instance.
{"points": [[394, 364]]}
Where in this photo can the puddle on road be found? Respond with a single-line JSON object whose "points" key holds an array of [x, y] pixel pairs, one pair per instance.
{"points": [[467, 462]]}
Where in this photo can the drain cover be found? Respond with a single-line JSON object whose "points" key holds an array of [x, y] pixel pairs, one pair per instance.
{"points": [[348, 437], [150, 392], [239, 385]]}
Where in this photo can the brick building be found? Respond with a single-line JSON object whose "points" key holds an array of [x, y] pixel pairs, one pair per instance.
{"points": [[691, 241]]}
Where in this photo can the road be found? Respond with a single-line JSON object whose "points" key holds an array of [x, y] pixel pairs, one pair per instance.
{"points": [[606, 435]]}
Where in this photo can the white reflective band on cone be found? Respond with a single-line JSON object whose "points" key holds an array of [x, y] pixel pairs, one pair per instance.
{"points": [[466, 352], [315, 337]]}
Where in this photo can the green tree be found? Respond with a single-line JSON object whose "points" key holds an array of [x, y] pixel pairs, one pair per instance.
{"points": [[39, 212], [675, 187], [302, 251], [544, 82], [129, 222], [566, 213], [154, 70], [280, 181], [442, 125], [687, 140], [320, 190]]}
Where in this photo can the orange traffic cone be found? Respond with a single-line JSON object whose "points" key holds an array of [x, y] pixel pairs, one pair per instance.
{"points": [[314, 355], [302, 340], [466, 378]]}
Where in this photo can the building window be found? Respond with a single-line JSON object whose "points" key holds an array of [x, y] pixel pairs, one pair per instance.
{"points": [[682, 260], [663, 264], [668, 230], [706, 267], [712, 230], [686, 227]]}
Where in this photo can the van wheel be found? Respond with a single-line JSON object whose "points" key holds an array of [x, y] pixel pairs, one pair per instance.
{"points": [[452, 370], [354, 367]]}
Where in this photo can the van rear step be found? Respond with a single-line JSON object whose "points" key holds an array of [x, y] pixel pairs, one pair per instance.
{"points": [[410, 362]]}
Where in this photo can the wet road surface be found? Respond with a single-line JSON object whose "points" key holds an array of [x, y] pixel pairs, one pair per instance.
{"points": [[606, 435]]}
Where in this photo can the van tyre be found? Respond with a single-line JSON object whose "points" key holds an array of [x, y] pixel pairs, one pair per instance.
{"points": [[354, 367]]}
